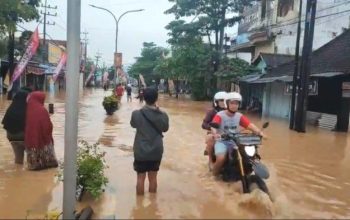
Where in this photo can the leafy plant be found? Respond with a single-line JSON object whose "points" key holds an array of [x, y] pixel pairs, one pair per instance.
{"points": [[110, 102], [90, 169]]}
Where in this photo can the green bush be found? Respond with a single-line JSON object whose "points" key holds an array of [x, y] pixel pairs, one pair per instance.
{"points": [[90, 169], [110, 102]]}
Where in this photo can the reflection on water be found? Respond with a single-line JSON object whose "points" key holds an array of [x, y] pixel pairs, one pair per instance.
{"points": [[309, 172]]}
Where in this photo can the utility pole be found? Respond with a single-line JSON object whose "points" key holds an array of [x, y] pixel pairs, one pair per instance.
{"points": [[46, 13], [85, 39], [305, 66], [72, 108], [296, 70], [98, 56]]}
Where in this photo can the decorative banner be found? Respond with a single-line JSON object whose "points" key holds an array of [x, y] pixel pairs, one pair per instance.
{"points": [[91, 74], [60, 66], [118, 60], [30, 51]]}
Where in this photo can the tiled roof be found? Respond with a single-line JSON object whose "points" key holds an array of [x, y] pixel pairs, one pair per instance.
{"points": [[274, 60]]}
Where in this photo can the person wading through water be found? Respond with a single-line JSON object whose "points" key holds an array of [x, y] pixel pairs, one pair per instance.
{"points": [[149, 122], [38, 138]]}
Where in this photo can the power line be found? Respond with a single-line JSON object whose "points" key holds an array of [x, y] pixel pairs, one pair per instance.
{"points": [[323, 16], [25, 29], [295, 19], [47, 13]]}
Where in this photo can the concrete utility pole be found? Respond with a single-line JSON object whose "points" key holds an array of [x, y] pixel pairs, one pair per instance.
{"points": [[45, 22], [296, 70], [303, 92], [71, 116], [85, 39], [98, 56]]}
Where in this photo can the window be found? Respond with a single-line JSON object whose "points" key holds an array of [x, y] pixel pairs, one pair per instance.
{"points": [[284, 6]]}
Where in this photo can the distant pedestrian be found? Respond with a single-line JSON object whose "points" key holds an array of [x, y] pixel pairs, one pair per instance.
{"points": [[128, 92], [140, 95], [14, 123], [149, 122], [105, 81], [119, 91], [38, 139]]}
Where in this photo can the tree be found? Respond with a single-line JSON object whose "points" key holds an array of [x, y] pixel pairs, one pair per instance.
{"points": [[3, 43], [210, 19], [234, 68], [213, 17], [14, 11], [151, 55]]}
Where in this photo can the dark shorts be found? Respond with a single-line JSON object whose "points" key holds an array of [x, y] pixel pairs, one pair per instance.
{"points": [[146, 166]]}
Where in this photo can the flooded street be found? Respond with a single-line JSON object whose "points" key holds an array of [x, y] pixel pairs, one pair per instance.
{"points": [[310, 175]]}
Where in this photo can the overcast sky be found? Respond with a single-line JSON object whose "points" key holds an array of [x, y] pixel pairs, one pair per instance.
{"points": [[134, 28]]}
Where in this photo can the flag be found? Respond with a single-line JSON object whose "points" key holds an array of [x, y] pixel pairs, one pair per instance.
{"points": [[90, 75], [28, 54], [60, 66]]}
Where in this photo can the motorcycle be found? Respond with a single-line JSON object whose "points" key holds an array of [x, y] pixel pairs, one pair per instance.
{"points": [[243, 162]]}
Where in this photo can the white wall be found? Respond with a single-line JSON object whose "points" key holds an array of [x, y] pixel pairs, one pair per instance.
{"points": [[326, 28]]}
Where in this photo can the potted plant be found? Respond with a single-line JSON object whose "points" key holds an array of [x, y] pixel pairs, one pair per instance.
{"points": [[110, 103], [90, 170]]}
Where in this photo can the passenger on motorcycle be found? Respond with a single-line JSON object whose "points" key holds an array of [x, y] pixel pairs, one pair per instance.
{"points": [[229, 120], [218, 105]]}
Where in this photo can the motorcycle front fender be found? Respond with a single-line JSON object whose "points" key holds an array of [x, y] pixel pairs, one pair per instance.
{"points": [[261, 170]]}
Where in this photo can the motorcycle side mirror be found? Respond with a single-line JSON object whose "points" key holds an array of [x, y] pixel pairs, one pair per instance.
{"points": [[266, 124]]}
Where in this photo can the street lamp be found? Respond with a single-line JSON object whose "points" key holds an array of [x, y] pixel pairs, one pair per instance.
{"points": [[116, 31]]}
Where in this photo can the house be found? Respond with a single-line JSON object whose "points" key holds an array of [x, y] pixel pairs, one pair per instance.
{"points": [[266, 61], [263, 62], [329, 89], [270, 26]]}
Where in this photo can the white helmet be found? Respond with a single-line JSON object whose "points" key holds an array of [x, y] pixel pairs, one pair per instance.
{"points": [[233, 96], [219, 96]]}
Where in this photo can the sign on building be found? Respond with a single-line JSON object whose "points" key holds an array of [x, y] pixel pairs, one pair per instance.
{"points": [[313, 88], [54, 53]]}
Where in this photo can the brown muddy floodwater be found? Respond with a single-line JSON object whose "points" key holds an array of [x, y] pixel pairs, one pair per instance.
{"points": [[310, 175]]}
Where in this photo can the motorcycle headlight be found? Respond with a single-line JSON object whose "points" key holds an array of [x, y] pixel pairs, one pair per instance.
{"points": [[250, 150]]}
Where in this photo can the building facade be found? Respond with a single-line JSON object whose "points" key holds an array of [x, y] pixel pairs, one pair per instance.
{"points": [[270, 26]]}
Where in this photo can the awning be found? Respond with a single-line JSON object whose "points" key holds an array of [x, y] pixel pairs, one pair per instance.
{"points": [[244, 47], [250, 78], [328, 74], [273, 79], [290, 78]]}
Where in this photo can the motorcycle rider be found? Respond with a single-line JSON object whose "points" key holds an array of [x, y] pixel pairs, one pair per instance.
{"points": [[218, 105], [229, 120]]}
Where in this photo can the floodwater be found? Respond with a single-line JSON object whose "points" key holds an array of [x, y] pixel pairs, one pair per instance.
{"points": [[310, 175]]}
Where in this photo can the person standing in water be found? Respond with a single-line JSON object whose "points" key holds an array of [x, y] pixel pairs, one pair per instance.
{"points": [[38, 138], [150, 122]]}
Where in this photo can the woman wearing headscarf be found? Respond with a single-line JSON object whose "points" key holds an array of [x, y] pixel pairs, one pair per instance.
{"points": [[14, 124], [38, 134]]}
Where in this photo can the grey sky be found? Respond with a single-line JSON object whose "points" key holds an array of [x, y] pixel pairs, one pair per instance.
{"points": [[134, 28]]}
